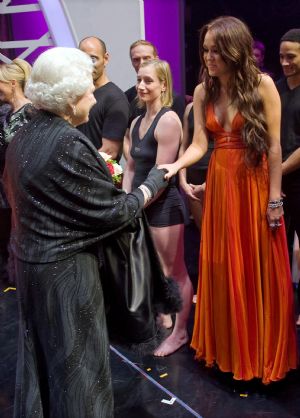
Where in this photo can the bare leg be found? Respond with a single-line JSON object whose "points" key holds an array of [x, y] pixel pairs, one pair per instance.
{"points": [[170, 246], [196, 211], [165, 320]]}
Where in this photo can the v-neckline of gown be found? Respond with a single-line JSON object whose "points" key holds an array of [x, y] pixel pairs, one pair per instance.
{"points": [[219, 124]]}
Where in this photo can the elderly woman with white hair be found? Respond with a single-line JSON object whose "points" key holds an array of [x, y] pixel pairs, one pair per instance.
{"points": [[63, 204]]}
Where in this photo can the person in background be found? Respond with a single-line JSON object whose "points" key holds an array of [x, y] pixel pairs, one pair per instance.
{"points": [[259, 51], [155, 138], [4, 110], [289, 91], [109, 116], [4, 208], [141, 51], [244, 264], [64, 203], [17, 112], [192, 179]]}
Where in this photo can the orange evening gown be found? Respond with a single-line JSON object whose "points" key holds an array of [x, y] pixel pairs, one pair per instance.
{"points": [[244, 319]]}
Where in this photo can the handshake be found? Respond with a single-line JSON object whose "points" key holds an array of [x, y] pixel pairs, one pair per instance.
{"points": [[155, 181]]}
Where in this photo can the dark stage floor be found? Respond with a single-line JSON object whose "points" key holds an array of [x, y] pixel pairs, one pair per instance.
{"points": [[146, 387]]}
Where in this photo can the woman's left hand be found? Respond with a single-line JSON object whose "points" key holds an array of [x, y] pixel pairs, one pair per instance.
{"points": [[187, 189], [198, 190], [274, 217]]}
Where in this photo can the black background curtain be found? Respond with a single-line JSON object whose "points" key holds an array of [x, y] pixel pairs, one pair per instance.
{"points": [[268, 20]]}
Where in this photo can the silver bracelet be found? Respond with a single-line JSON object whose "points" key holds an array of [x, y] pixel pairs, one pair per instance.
{"points": [[274, 204], [146, 192]]}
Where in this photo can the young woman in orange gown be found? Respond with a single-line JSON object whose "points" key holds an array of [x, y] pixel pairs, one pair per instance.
{"points": [[244, 319]]}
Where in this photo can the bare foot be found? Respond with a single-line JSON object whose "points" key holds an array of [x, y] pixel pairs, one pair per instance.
{"points": [[166, 321], [172, 344]]}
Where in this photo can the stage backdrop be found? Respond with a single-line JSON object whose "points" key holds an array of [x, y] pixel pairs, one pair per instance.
{"points": [[121, 22], [118, 23], [28, 27]]}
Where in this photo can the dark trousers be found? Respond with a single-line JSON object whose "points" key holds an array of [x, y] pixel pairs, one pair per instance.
{"points": [[5, 226], [291, 188]]}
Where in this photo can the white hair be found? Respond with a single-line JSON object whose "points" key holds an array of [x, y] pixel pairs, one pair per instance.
{"points": [[59, 77]]}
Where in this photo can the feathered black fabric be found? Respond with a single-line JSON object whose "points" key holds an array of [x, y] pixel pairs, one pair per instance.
{"points": [[135, 287]]}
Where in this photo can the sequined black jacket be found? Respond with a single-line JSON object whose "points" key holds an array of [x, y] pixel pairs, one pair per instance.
{"points": [[61, 192]]}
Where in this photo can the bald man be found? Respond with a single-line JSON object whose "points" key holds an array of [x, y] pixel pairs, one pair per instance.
{"points": [[108, 118]]}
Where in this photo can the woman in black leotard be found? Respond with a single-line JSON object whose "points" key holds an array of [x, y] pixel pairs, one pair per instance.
{"points": [[154, 139]]}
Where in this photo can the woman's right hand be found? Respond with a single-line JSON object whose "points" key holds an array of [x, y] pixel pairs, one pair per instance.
{"points": [[171, 168]]}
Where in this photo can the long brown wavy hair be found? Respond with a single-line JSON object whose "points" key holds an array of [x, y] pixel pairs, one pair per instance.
{"points": [[234, 43]]}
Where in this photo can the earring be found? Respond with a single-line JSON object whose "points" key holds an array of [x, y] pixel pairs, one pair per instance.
{"points": [[74, 110], [13, 94]]}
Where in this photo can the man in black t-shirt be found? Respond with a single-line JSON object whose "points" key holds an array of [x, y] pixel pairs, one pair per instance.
{"points": [[108, 118], [289, 90], [141, 51]]}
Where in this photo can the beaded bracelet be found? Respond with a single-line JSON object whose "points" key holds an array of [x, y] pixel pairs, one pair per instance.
{"points": [[274, 204]]}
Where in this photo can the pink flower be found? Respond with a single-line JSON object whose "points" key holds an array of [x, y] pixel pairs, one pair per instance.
{"points": [[110, 167]]}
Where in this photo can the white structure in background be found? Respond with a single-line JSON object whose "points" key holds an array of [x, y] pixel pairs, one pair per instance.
{"points": [[30, 45], [118, 22]]}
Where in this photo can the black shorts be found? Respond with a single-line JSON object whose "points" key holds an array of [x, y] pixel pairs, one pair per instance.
{"points": [[167, 210]]}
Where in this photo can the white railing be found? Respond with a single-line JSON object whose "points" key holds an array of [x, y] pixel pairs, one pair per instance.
{"points": [[29, 45]]}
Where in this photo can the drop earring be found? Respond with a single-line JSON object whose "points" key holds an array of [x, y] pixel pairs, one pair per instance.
{"points": [[13, 94]]}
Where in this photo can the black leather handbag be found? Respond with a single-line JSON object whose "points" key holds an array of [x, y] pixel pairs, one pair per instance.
{"points": [[134, 285]]}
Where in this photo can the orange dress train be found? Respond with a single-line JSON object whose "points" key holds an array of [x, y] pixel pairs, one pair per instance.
{"points": [[244, 319]]}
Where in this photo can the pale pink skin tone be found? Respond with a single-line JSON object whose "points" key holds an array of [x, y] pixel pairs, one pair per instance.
{"points": [[83, 107], [11, 92], [138, 55], [168, 240]]}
